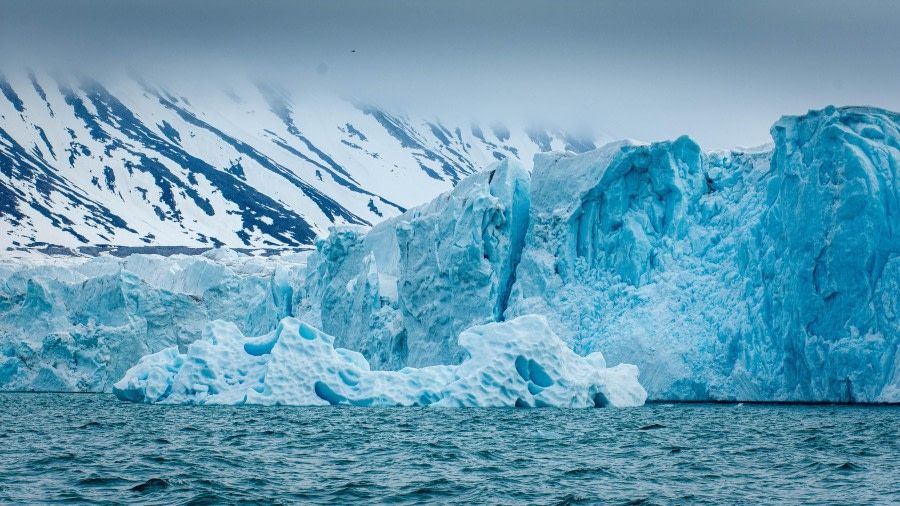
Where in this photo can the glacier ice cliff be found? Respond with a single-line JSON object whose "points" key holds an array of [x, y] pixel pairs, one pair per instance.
{"points": [[76, 325], [518, 363], [767, 274], [746, 275], [402, 292]]}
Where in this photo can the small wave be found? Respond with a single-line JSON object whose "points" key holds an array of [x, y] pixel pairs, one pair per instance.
{"points": [[588, 471], [569, 500], [437, 486], [151, 485], [815, 466], [95, 480], [55, 459], [849, 466]]}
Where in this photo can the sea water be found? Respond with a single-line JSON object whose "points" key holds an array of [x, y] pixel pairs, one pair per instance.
{"points": [[82, 448]]}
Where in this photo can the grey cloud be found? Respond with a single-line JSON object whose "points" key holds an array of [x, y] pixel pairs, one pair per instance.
{"points": [[720, 71]]}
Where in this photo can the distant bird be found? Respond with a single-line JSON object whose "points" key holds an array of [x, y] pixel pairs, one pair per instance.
{"points": [[352, 50]]}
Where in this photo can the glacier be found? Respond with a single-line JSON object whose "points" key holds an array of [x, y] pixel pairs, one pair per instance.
{"points": [[75, 324], [402, 292], [517, 363], [765, 274]]}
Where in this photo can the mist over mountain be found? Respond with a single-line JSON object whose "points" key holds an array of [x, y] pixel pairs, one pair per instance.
{"points": [[649, 70], [129, 163]]}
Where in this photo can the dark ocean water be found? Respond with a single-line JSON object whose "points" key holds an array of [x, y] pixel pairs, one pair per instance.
{"points": [[93, 448]]}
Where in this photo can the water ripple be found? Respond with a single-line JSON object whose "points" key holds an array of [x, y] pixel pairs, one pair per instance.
{"points": [[94, 449]]}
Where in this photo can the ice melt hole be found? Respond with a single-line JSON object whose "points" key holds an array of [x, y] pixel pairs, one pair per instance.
{"points": [[327, 394], [349, 378], [522, 367], [260, 348], [600, 400], [538, 375]]}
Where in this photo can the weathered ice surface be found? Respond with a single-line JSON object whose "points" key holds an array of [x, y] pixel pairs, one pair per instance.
{"points": [[77, 325], [767, 275], [403, 292], [519, 363]]}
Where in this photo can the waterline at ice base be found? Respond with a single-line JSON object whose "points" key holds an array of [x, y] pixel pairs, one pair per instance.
{"points": [[770, 274]]}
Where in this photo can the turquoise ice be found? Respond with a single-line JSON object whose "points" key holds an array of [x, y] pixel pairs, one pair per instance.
{"points": [[767, 274], [519, 363]]}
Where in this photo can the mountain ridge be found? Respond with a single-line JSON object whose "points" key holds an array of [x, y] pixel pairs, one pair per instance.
{"points": [[127, 163]]}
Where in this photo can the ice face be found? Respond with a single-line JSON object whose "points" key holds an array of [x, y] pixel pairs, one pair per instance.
{"points": [[403, 292], [764, 274], [609, 257], [76, 325], [517, 363], [829, 254]]}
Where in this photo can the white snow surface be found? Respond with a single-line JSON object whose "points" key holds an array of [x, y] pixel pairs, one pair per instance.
{"points": [[132, 163]]}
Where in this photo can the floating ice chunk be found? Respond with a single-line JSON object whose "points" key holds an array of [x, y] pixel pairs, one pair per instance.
{"points": [[516, 363]]}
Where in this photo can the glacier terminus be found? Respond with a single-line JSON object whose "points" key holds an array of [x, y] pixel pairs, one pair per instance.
{"points": [[627, 272]]}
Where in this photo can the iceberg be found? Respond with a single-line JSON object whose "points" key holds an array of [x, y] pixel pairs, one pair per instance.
{"points": [[518, 363]]}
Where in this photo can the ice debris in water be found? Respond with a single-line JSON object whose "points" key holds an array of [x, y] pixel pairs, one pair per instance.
{"points": [[519, 363]]}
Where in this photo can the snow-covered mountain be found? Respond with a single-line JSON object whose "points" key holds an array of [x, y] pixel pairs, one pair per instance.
{"points": [[126, 162]]}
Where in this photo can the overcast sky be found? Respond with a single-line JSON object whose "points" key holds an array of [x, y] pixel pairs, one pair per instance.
{"points": [[721, 72]]}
